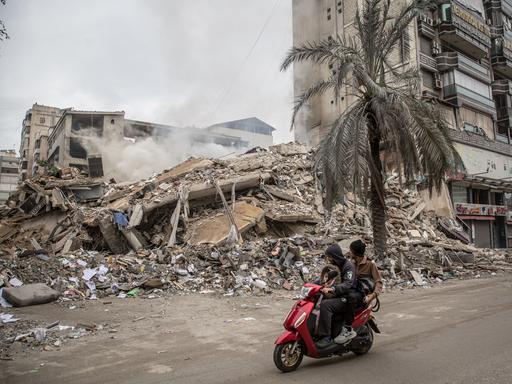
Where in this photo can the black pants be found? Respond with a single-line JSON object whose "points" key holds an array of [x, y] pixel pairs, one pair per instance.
{"points": [[340, 305]]}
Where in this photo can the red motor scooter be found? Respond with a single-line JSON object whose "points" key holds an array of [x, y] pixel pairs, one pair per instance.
{"points": [[301, 324]]}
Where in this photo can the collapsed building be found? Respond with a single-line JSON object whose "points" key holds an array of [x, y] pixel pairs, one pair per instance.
{"points": [[247, 224], [55, 137]]}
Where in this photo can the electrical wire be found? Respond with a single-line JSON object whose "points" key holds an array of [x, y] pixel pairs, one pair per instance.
{"points": [[244, 62]]}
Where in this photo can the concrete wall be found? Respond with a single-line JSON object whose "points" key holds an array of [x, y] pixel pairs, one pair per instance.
{"points": [[439, 201], [485, 163]]}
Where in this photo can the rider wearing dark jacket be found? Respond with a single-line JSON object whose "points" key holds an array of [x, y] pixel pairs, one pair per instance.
{"points": [[337, 301]]}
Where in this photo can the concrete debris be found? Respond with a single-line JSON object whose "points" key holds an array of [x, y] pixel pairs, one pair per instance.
{"points": [[87, 238], [30, 294]]}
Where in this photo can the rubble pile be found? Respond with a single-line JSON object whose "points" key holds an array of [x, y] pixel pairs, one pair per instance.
{"points": [[240, 225]]}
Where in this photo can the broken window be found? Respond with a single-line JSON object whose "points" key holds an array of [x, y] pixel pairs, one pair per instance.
{"points": [[76, 150], [89, 124]]}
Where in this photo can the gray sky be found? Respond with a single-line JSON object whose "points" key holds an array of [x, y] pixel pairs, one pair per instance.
{"points": [[178, 62]]}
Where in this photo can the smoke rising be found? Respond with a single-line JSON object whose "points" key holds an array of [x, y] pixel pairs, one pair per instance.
{"points": [[127, 159]]}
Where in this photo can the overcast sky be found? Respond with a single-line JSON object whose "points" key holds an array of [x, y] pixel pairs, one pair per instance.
{"points": [[178, 62]]}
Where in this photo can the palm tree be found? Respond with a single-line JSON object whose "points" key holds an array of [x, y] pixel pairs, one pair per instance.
{"points": [[388, 112]]}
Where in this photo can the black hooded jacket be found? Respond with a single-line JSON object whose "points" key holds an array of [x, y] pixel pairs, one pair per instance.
{"points": [[347, 270]]}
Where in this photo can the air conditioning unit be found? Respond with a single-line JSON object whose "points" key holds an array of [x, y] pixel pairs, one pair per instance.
{"points": [[437, 81], [436, 48]]}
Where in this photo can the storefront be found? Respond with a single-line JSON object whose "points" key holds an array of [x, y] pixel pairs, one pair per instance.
{"points": [[480, 205]]}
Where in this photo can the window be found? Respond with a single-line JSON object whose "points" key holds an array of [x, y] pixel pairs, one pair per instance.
{"points": [[42, 120], [87, 124], [76, 150], [472, 84], [112, 121], [405, 49], [428, 79], [460, 194], [425, 46], [9, 170]]}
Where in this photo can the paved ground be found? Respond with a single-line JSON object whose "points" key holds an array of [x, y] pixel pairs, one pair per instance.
{"points": [[457, 333]]}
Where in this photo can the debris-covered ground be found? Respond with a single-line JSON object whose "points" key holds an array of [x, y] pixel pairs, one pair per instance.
{"points": [[245, 225]]}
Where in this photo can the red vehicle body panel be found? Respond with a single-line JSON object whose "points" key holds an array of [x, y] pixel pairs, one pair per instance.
{"points": [[304, 308]]}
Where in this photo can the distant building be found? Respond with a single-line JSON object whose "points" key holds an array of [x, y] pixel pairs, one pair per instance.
{"points": [[71, 140], [34, 137], [253, 131], [9, 173], [67, 142]]}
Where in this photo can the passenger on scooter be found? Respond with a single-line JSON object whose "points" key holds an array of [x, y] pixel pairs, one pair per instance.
{"points": [[366, 268], [335, 298]]}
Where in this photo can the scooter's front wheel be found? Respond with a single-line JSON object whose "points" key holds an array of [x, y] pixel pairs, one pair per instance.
{"points": [[288, 356]]}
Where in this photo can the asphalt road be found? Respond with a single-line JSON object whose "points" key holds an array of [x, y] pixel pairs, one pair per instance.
{"points": [[456, 333]]}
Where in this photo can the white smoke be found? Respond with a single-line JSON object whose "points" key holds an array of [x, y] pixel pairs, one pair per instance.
{"points": [[131, 160]]}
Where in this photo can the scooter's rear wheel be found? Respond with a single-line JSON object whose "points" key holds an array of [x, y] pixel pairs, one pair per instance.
{"points": [[288, 356], [364, 340]]}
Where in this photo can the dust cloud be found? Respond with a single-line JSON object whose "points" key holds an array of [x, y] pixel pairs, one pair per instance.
{"points": [[131, 159]]}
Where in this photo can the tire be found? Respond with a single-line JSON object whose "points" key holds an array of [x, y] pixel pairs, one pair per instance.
{"points": [[363, 348], [283, 361]]}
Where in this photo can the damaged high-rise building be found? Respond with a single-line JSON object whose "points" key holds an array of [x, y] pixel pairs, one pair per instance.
{"points": [[464, 51]]}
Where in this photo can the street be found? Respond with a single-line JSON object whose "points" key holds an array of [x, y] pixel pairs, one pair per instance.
{"points": [[454, 333]]}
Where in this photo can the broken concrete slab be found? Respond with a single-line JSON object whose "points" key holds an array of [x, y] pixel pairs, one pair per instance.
{"points": [[289, 149], [208, 191], [279, 193], [136, 216], [30, 294], [215, 230]]}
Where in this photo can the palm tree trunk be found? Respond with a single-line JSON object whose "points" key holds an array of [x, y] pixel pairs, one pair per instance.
{"points": [[377, 202]]}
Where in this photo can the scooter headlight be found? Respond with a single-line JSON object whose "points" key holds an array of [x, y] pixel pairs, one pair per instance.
{"points": [[304, 292]]}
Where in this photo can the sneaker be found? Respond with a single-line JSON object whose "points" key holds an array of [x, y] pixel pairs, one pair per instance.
{"points": [[345, 336], [325, 342]]}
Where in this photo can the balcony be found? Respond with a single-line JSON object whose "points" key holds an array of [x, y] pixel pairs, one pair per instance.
{"points": [[426, 26], [501, 56], [480, 141], [464, 30], [499, 6], [466, 209], [427, 62], [458, 95], [501, 87], [447, 61]]}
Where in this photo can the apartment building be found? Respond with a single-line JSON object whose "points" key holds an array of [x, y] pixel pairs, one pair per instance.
{"points": [[9, 173], [73, 141], [34, 137], [464, 51]]}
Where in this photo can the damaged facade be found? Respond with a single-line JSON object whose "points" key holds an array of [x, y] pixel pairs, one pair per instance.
{"points": [[9, 173], [71, 139], [35, 129], [464, 51]]}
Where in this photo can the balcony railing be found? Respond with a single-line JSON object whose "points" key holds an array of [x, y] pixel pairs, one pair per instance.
{"points": [[428, 62], [426, 26], [480, 209], [464, 30], [499, 5], [455, 60], [480, 141], [501, 56], [458, 95], [501, 87]]}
